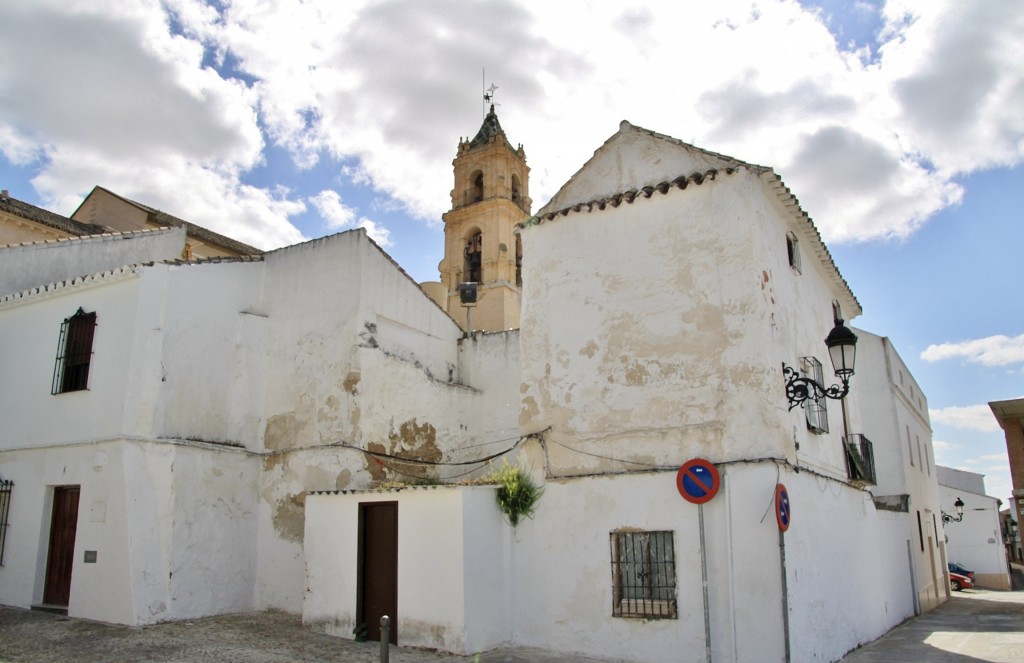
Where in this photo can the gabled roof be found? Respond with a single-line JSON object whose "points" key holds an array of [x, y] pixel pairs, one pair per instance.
{"points": [[161, 218], [666, 164], [48, 218]]}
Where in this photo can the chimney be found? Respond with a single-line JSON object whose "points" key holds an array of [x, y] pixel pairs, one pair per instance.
{"points": [[4, 197]]}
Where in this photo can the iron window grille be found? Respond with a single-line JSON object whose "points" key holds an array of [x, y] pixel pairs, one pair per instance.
{"points": [[74, 353], [6, 487], [860, 459], [643, 575], [814, 407]]}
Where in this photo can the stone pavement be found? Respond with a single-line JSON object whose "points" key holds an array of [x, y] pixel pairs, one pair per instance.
{"points": [[974, 626], [258, 637]]}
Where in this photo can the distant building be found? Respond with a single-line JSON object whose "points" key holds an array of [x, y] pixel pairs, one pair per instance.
{"points": [[1010, 415], [103, 212], [975, 541]]}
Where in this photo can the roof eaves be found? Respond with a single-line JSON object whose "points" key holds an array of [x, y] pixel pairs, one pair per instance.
{"points": [[77, 283], [628, 197], [47, 218], [791, 204]]}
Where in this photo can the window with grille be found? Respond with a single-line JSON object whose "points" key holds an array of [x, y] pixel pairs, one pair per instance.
{"points": [[74, 353], [814, 408], [6, 487], [643, 575]]}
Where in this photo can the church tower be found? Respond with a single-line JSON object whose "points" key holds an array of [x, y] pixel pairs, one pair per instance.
{"points": [[490, 197]]}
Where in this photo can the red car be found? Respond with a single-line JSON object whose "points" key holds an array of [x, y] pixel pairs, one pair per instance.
{"points": [[958, 581]]}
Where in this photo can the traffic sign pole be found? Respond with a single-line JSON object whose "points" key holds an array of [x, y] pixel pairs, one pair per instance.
{"points": [[704, 581]]}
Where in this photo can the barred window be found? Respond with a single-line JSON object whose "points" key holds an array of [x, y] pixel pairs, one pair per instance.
{"points": [[74, 353], [814, 408], [643, 575]]}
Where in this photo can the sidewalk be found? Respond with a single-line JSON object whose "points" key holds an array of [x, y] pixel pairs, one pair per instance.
{"points": [[973, 626]]}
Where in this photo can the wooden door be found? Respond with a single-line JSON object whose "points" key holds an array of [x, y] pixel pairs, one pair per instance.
{"points": [[61, 555], [378, 563]]}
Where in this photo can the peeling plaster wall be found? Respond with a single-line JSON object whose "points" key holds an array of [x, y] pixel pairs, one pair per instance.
{"points": [[654, 349], [670, 346], [454, 565], [360, 356]]}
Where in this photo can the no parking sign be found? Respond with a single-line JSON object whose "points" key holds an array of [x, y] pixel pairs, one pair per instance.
{"points": [[698, 481], [783, 513]]}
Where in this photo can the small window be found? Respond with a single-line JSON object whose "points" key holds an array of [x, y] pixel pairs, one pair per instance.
{"points": [[919, 454], [793, 249], [643, 575], [6, 487], [910, 447], [74, 353], [814, 408]]}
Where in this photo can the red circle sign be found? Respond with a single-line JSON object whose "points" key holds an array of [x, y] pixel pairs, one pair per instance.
{"points": [[783, 512], [698, 481]]}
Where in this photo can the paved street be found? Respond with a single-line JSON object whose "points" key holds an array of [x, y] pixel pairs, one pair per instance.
{"points": [[975, 626]]}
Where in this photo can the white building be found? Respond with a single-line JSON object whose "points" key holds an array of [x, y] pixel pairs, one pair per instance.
{"points": [[975, 541], [893, 414], [222, 443]]}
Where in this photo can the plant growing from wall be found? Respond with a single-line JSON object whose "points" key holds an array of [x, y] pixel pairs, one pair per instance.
{"points": [[517, 493]]}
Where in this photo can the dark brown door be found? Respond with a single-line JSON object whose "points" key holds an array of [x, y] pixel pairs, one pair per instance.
{"points": [[62, 545], [378, 563]]}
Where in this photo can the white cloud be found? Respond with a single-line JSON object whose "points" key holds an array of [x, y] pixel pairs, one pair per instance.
{"points": [[337, 214], [340, 216], [990, 351], [970, 417], [384, 90], [943, 451], [377, 233]]}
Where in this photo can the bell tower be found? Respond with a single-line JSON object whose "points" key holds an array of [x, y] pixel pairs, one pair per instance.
{"points": [[490, 197]]}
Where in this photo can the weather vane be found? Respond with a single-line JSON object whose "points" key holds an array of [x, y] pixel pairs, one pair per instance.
{"points": [[489, 93]]}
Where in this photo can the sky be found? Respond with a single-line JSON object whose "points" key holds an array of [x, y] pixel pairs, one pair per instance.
{"points": [[899, 126]]}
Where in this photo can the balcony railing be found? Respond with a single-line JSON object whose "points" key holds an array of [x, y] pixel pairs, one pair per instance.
{"points": [[860, 459]]}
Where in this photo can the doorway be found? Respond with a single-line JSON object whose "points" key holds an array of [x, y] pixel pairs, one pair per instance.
{"points": [[61, 554], [377, 587]]}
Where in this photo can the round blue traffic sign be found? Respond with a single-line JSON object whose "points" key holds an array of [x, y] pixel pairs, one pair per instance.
{"points": [[783, 513], [697, 481]]}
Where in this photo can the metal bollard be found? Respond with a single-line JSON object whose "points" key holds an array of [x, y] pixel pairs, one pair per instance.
{"points": [[385, 638]]}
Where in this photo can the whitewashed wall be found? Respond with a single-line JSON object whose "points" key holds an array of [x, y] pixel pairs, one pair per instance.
{"points": [[976, 542], [889, 408], [453, 568], [27, 266]]}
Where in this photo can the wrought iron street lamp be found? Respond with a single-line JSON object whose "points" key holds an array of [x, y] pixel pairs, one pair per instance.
{"points": [[959, 506], [842, 350]]}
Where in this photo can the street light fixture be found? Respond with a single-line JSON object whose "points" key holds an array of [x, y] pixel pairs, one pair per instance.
{"points": [[959, 505], [842, 350]]}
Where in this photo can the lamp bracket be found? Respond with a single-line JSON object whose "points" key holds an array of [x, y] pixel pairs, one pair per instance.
{"points": [[800, 388]]}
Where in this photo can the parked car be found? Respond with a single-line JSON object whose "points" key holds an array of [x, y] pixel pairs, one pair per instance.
{"points": [[958, 581], [961, 569]]}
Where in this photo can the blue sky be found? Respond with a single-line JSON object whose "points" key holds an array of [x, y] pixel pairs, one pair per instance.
{"points": [[897, 124]]}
